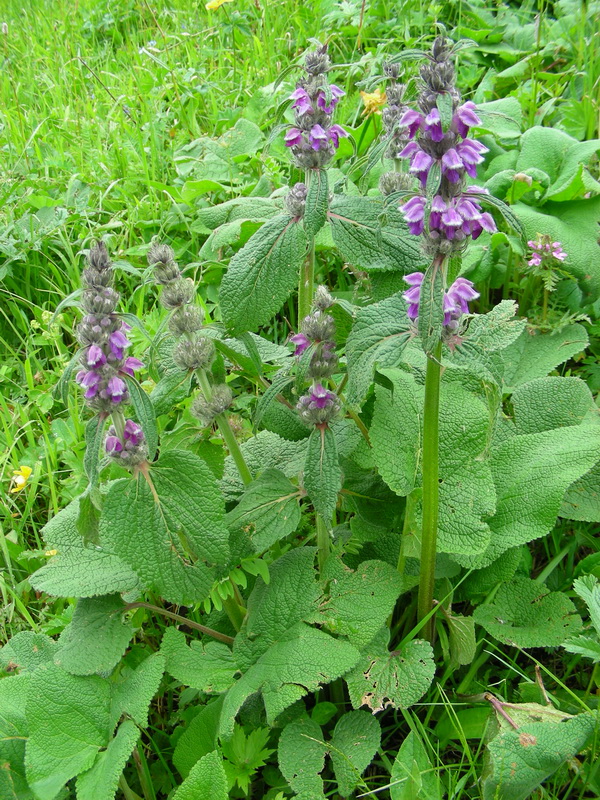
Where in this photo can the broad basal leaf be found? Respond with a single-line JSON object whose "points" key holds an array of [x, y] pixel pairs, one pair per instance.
{"points": [[301, 757], [262, 274], [268, 510], [527, 614], [170, 532], [546, 403], [378, 337], [102, 780], [356, 738], [207, 666], [96, 637], [199, 738], [206, 779], [398, 678], [360, 602], [371, 237], [582, 500], [27, 650], [131, 696]]}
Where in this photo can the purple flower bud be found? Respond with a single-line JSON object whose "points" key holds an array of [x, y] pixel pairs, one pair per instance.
{"points": [[95, 356], [336, 93], [319, 407], [301, 341], [293, 137], [302, 102], [133, 433], [317, 137]]}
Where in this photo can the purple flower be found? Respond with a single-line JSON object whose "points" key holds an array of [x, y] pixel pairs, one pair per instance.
{"points": [[302, 102], [293, 137], [465, 118], [318, 137], [95, 356], [118, 342], [334, 133], [459, 217], [411, 120], [89, 380], [301, 341], [116, 389], [456, 298], [545, 251], [131, 365], [433, 125], [320, 397], [414, 280], [335, 93], [133, 434], [414, 214], [113, 445]]}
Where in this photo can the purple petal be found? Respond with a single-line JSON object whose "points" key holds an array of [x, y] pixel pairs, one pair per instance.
{"points": [[414, 278], [293, 137]]}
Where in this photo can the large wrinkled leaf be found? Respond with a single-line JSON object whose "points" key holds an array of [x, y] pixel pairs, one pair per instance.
{"points": [[356, 738], [527, 614], [206, 779], [207, 666], [199, 738], [372, 238], [398, 678], [169, 533], [413, 776], [301, 758], [553, 402], [13, 735], [26, 650], [132, 695], [360, 602], [582, 500], [102, 780], [268, 510], [262, 274], [79, 569], [519, 760], [377, 339], [96, 637], [216, 159]]}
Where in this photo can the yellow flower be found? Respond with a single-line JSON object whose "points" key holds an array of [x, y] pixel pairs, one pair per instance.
{"points": [[374, 101], [50, 553], [214, 4], [20, 478]]}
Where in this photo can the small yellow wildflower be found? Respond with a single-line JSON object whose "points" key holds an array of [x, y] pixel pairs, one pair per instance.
{"points": [[214, 4], [20, 478], [50, 553], [373, 101]]}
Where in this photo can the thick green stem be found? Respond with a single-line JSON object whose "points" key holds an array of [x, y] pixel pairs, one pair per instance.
{"points": [[226, 432], [306, 285], [430, 489], [323, 541]]}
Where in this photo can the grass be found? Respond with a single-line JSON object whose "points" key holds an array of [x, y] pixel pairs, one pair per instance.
{"points": [[96, 99]]}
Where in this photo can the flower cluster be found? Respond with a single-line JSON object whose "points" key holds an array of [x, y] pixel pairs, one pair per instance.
{"points": [[317, 332], [543, 250], [456, 299], [129, 449], [455, 212], [192, 351], [207, 409], [102, 335], [314, 138], [394, 133]]}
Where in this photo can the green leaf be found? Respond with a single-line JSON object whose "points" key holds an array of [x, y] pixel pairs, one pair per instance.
{"points": [[525, 613], [377, 339], [301, 758], [102, 780], [27, 650], [206, 779], [79, 570], [371, 237], [96, 638], [94, 436], [13, 735], [462, 638], [268, 510], [207, 666], [467, 501], [493, 331], [575, 225], [582, 499], [207, 159], [317, 202], [322, 473], [169, 533], [395, 431], [64, 737], [531, 474], [588, 588], [547, 403], [360, 602], [146, 416], [413, 776], [535, 355], [520, 760], [583, 646], [356, 738], [88, 519], [298, 663], [262, 274], [133, 694], [199, 738], [397, 679]]}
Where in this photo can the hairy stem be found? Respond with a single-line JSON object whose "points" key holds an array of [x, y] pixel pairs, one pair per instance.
{"points": [[306, 285], [430, 489], [222, 637], [225, 429], [323, 541]]}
